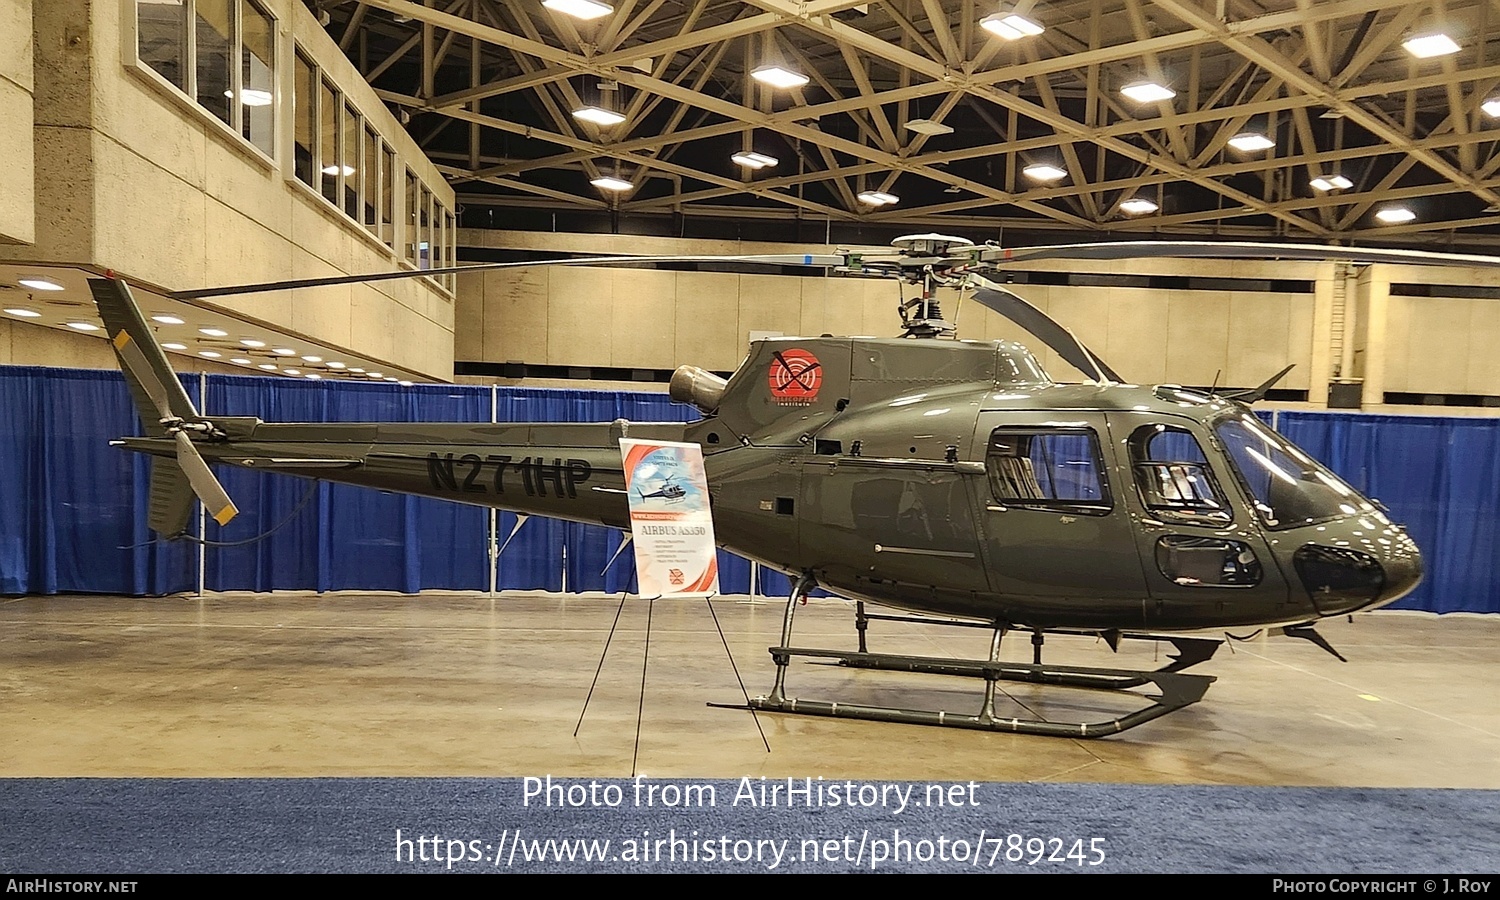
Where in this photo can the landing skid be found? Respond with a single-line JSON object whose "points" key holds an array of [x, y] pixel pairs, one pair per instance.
{"points": [[1175, 688]]}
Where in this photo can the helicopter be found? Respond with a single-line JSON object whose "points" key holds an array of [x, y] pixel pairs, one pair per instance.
{"points": [[952, 480]]}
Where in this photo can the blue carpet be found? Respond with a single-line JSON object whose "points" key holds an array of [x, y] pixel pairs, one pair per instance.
{"points": [[79, 825]]}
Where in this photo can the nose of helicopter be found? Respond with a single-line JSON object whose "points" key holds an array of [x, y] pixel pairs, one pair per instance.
{"points": [[1372, 569]]}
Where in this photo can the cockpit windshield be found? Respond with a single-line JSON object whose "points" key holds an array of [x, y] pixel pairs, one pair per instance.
{"points": [[1289, 487]]}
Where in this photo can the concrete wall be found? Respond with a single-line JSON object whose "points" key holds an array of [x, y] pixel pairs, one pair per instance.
{"points": [[32, 345], [138, 179], [17, 125], [649, 319]]}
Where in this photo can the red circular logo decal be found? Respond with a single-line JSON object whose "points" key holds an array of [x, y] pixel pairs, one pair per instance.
{"points": [[794, 377]]}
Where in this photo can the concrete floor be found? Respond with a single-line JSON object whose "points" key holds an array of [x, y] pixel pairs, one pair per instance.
{"points": [[351, 684]]}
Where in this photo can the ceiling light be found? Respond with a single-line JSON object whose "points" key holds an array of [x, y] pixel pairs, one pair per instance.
{"points": [[1331, 183], [252, 342], [283, 351], [175, 346], [314, 376], [269, 367], [927, 126], [598, 115], [1138, 206], [1044, 172], [312, 359], [1250, 142], [404, 383], [213, 332], [1426, 46], [358, 371], [752, 160], [611, 183], [40, 284], [580, 9], [1491, 107], [391, 378], [1395, 215], [779, 77], [1010, 26], [1147, 92], [339, 170], [240, 361], [83, 326], [24, 313], [167, 320], [374, 374], [292, 371], [878, 198], [211, 354], [335, 365], [252, 97]]}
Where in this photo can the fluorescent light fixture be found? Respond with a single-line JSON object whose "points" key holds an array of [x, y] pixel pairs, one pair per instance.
{"points": [[252, 342], [1426, 46], [598, 115], [283, 351], [213, 332], [1010, 26], [83, 326], [40, 284], [752, 160], [24, 313], [240, 361], [167, 320], [1251, 141], [878, 198], [779, 77], [1147, 92], [1044, 172], [312, 359], [252, 97], [269, 367], [580, 9], [1331, 183], [1138, 206], [175, 346], [1394, 215], [335, 365], [611, 183], [1491, 107], [339, 170], [927, 126], [211, 354]]}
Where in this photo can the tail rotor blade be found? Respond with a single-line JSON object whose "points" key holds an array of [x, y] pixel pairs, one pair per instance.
{"points": [[135, 361], [205, 485]]}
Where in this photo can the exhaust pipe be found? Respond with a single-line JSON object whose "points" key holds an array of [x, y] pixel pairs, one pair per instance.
{"points": [[699, 387]]}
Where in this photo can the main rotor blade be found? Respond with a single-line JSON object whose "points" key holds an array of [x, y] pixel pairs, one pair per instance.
{"points": [[205, 485], [1113, 250], [1045, 328], [812, 260]]}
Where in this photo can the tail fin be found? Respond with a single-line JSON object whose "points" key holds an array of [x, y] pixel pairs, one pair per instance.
{"points": [[171, 498], [165, 410]]}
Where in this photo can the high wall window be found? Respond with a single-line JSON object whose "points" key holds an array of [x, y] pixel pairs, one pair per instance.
{"points": [[219, 53]]}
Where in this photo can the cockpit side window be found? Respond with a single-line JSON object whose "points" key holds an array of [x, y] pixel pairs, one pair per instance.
{"points": [[1047, 469], [1174, 478]]}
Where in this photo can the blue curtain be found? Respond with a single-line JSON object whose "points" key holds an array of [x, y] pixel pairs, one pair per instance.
{"points": [[72, 508], [1439, 476]]}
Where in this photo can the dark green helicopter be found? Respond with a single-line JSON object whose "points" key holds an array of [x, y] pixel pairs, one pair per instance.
{"points": [[947, 478]]}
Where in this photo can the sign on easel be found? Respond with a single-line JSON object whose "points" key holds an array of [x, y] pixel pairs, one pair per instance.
{"points": [[670, 521]]}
